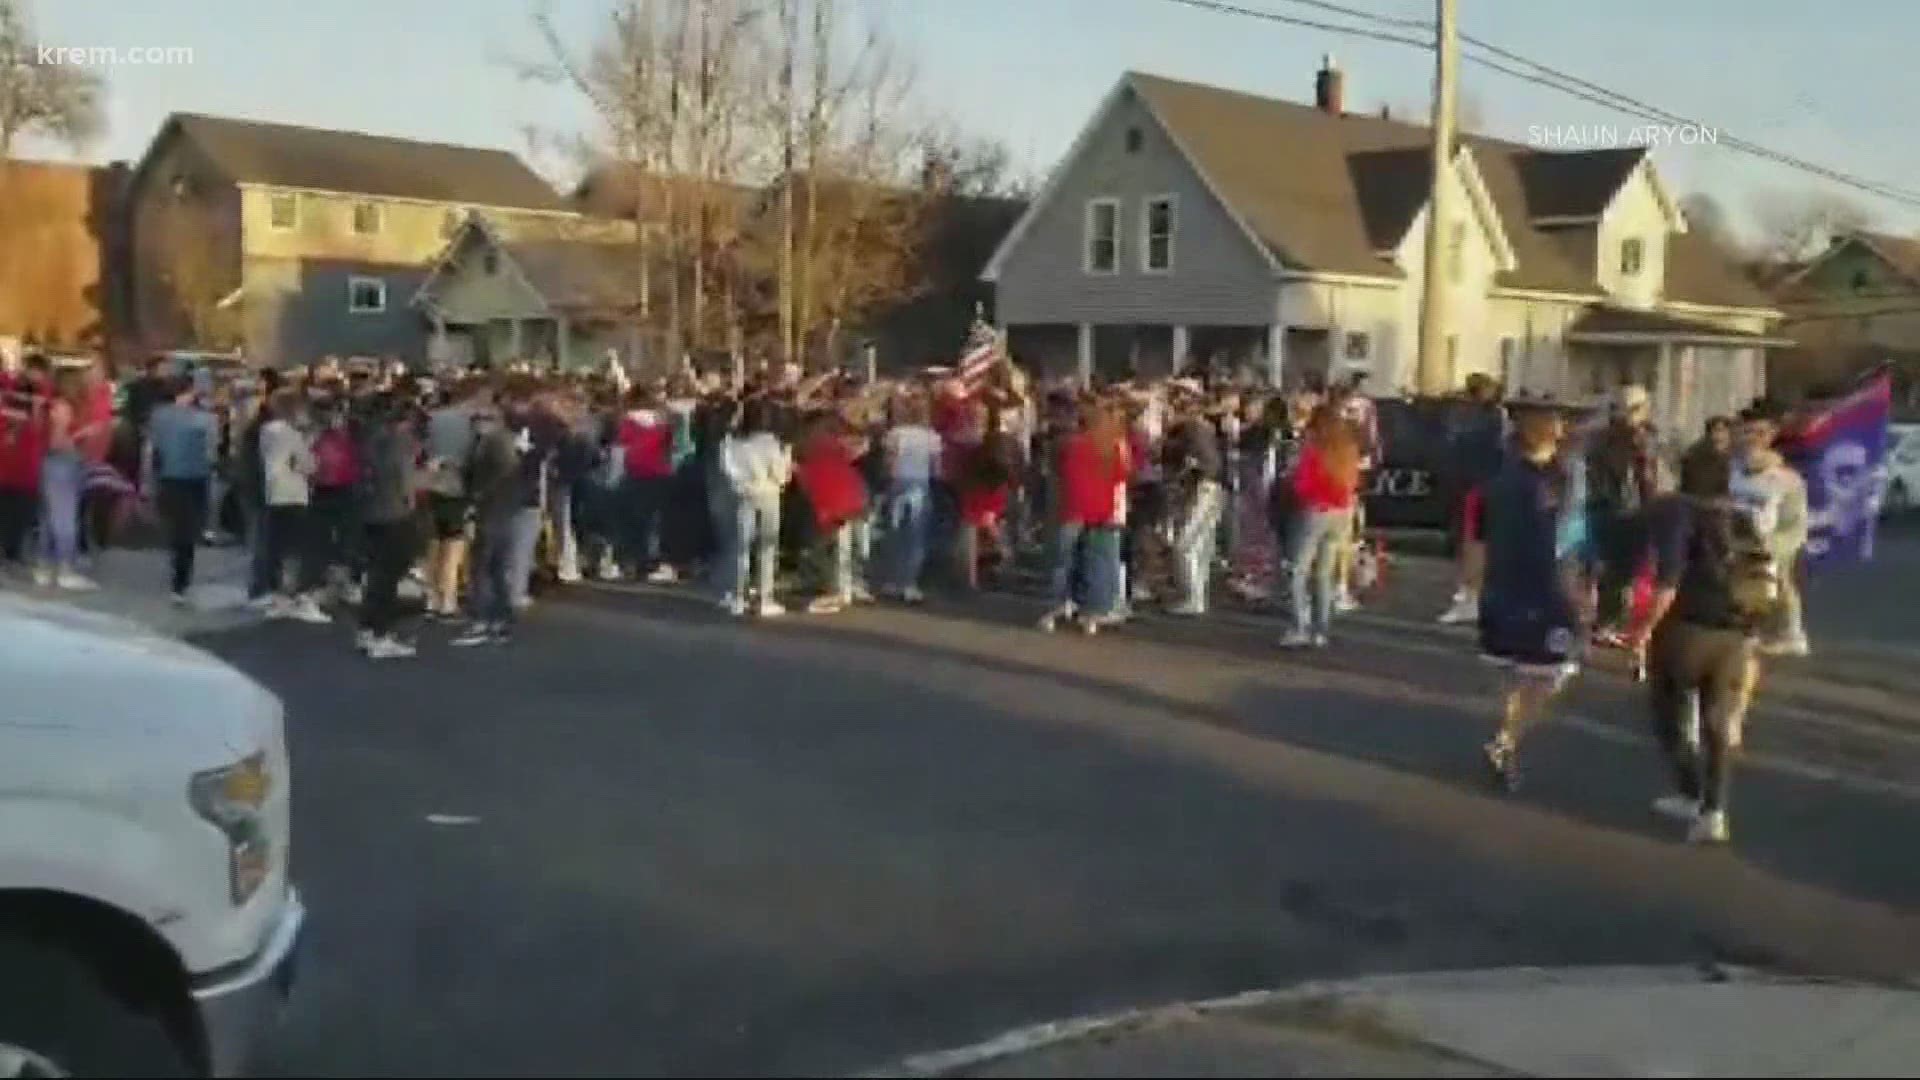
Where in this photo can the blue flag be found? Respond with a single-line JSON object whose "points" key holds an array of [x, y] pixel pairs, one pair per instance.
{"points": [[1841, 453]]}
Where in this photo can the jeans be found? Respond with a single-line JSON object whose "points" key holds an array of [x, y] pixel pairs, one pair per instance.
{"points": [[391, 547], [1686, 662], [491, 594], [524, 541], [1312, 552], [909, 508], [753, 545], [183, 507], [334, 532], [642, 499], [567, 561], [1086, 568], [61, 474], [1194, 545]]}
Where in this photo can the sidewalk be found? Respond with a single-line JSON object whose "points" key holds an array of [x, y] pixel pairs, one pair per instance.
{"points": [[1515, 1022], [133, 585]]}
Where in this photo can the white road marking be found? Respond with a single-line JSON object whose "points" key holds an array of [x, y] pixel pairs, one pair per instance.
{"points": [[452, 819]]}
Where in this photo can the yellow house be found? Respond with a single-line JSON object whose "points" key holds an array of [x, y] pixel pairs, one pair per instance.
{"points": [[295, 243]]}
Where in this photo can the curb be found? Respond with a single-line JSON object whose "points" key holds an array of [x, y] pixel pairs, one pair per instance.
{"points": [[1045, 1036]]}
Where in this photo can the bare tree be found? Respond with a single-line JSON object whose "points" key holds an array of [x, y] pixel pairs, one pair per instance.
{"points": [[1794, 225], [40, 96]]}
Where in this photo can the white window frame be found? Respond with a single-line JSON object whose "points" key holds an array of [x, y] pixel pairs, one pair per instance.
{"points": [[353, 288], [1172, 202], [1086, 237], [1635, 266], [1364, 339], [353, 217], [273, 200]]}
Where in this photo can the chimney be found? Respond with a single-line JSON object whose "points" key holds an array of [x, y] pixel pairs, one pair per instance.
{"points": [[1329, 88]]}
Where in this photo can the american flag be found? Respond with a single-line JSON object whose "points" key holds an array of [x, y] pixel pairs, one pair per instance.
{"points": [[983, 351]]}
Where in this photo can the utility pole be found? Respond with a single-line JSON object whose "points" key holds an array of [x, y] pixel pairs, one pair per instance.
{"points": [[1434, 374]]}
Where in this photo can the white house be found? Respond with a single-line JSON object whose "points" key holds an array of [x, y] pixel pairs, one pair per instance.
{"points": [[1189, 223]]}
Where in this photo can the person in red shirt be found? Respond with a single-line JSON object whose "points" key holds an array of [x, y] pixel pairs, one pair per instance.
{"points": [[1325, 486], [23, 443], [827, 473], [1094, 467], [645, 441]]}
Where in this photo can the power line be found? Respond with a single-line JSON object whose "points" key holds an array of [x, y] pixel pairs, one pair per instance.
{"points": [[1549, 77]]}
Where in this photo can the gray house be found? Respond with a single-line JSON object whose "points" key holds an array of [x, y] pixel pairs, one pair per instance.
{"points": [[1191, 224], [295, 242]]}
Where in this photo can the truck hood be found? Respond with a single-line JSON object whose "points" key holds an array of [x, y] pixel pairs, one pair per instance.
{"points": [[78, 670]]}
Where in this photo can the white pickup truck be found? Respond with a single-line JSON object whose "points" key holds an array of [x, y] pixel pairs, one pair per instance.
{"points": [[147, 926]]}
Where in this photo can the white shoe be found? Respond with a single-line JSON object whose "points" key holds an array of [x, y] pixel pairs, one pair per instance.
{"points": [[261, 603], [352, 593], [733, 606], [1051, 620], [363, 639], [1320, 641], [390, 648], [43, 576], [912, 595], [73, 581], [862, 594], [307, 610], [1709, 828], [180, 600], [1186, 611], [476, 634], [770, 609], [1345, 603], [826, 605], [1294, 639], [1789, 647], [1678, 807], [1464, 609], [278, 607], [569, 577], [662, 575], [522, 603]]}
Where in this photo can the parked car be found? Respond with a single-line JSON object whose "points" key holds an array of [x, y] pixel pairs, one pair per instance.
{"points": [[1903, 471], [147, 925]]}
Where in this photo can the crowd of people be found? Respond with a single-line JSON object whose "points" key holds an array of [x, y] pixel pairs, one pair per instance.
{"points": [[346, 482]]}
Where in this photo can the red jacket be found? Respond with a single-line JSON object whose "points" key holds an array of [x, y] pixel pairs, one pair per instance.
{"points": [[648, 446], [23, 440], [826, 472], [1317, 488], [1091, 478]]}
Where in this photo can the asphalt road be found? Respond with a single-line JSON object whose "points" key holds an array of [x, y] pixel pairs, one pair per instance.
{"points": [[700, 846]]}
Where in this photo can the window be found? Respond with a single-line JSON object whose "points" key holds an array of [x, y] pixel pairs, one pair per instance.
{"points": [[1860, 280], [283, 210], [366, 218], [366, 295], [1359, 346], [1103, 236], [1457, 252], [490, 262], [1156, 242], [1633, 255], [1134, 140]]}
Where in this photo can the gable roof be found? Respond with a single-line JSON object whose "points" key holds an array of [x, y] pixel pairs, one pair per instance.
{"points": [[1319, 192], [351, 162], [1900, 252], [579, 274]]}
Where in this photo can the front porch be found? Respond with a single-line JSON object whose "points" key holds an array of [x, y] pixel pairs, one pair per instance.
{"points": [[1692, 371]]}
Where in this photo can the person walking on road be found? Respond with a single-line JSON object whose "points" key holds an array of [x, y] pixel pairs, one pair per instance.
{"points": [[450, 434], [1716, 588], [1775, 497], [392, 538], [1325, 488], [286, 467], [1532, 601], [1196, 472], [184, 439], [756, 466], [493, 482]]}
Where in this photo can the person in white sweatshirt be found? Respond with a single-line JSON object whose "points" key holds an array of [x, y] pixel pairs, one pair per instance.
{"points": [[757, 467], [1775, 498], [286, 468]]}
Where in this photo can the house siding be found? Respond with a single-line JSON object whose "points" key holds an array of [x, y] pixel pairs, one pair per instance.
{"points": [[297, 311], [465, 293], [1634, 213], [1218, 276], [162, 262]]}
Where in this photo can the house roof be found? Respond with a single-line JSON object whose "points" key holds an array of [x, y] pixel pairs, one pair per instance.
{"points": [[1900, 252], [579, 274], [1699, 271], [252, 151], [1608, 320], [1332, 193]]}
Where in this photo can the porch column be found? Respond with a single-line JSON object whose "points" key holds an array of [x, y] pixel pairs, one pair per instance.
{"points": [[1276, 360], [516, 336], [1665, 391], [1086, 354], [562, 339], [1179, 360]]}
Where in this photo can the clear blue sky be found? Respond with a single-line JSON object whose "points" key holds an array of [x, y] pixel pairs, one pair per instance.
{"points": [[1788, 74]]}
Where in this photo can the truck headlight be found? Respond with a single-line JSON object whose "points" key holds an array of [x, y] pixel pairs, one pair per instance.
{"points": [[232, 798]]}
